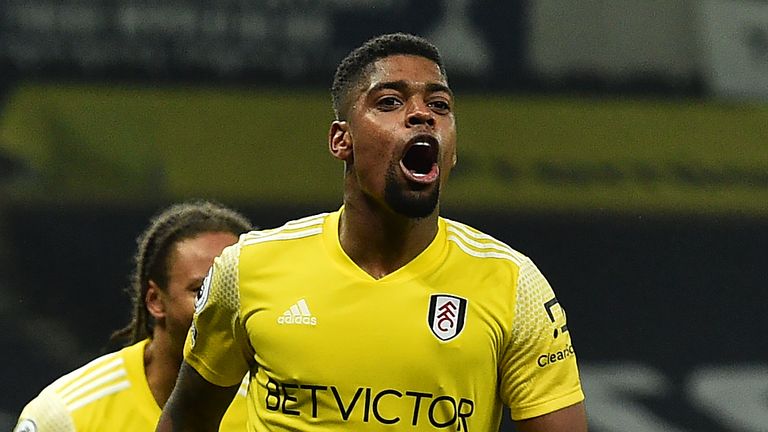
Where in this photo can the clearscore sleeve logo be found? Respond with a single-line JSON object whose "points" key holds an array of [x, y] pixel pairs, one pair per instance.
{"points": [[545, 360]]}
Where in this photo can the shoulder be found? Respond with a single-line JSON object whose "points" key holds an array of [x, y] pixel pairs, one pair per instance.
{"points": [[107, 369], [291, 230], [52, 409], [264, 248], [291, 234], [479, 245], [46, 412], [490, 256]]}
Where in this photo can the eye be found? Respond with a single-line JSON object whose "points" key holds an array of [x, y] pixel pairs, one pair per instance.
{"points": [[440, 106], [195, 288], [389, 103]]}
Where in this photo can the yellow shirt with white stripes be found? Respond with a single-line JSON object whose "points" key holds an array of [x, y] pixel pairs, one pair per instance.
{"points": [[467, 327], [108, 394]]}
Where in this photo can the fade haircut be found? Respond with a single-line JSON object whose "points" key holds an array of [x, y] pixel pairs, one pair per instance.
{"points": [[356, 64], [156, 245]]}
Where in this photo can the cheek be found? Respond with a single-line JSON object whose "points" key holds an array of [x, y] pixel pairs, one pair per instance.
{"points": [[376, 133], [185, 308], [447, 163], [189, 305], [450, 149], [373, 153]]}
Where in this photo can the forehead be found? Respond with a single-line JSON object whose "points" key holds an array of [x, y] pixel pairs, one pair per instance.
{"points": [[200, 250], [412, 69]]}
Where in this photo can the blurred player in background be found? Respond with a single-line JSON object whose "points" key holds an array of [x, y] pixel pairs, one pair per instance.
{"points": [[382, 315], [125, 390]]}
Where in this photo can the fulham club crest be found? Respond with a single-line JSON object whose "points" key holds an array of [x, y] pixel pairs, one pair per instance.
{"points": [[447, 314]]}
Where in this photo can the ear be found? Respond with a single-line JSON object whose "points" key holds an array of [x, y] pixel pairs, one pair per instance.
{"points": [[340, 140], [154, 301]]}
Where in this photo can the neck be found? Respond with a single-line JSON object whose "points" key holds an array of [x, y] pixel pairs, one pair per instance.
{"points": [[380, 241], [161, 365]]}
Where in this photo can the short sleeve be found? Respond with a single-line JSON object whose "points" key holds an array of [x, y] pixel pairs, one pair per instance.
{"points": [[216, 346], [538, 368], [46, 413]]}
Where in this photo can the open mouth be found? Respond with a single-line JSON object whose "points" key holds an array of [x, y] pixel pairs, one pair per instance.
{"points": [[420, 160]]}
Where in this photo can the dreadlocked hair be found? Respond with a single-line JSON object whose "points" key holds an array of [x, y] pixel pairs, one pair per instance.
{"points": [[170, 226]]}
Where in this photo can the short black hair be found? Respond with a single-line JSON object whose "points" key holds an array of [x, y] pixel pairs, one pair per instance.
{"points": [[352, 67], [167, 228]]}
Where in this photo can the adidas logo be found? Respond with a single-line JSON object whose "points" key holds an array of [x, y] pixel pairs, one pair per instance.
{"points": [[298, 313]]}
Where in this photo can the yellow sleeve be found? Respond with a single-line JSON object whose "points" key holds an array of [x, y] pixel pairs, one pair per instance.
{"points": [[538, 368], [45, 413], [216, 344]]}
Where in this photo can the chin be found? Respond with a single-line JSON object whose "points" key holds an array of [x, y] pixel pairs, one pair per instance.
{"points": [[405, 201], [417, 206]]}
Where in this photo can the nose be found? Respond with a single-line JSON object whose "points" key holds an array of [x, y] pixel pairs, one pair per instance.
{"points": [[419, 114]]}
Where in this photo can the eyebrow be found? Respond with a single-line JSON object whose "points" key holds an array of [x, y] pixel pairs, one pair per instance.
{"points": [[402, 86]]}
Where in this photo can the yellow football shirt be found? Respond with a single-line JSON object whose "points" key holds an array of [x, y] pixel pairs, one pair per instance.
{"points": [[108, 394], [467, 327]]}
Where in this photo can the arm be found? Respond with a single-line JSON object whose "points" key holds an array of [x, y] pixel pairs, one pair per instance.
{"points": [[539, 375], [195, 404], [569, 419], [215, 360]]}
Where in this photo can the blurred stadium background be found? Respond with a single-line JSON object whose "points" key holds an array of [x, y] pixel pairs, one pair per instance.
{"points": [[623, 145]]}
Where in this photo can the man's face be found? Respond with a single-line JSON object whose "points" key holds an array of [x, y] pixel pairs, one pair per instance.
{"points": [[403, 134], [189, 264]]}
